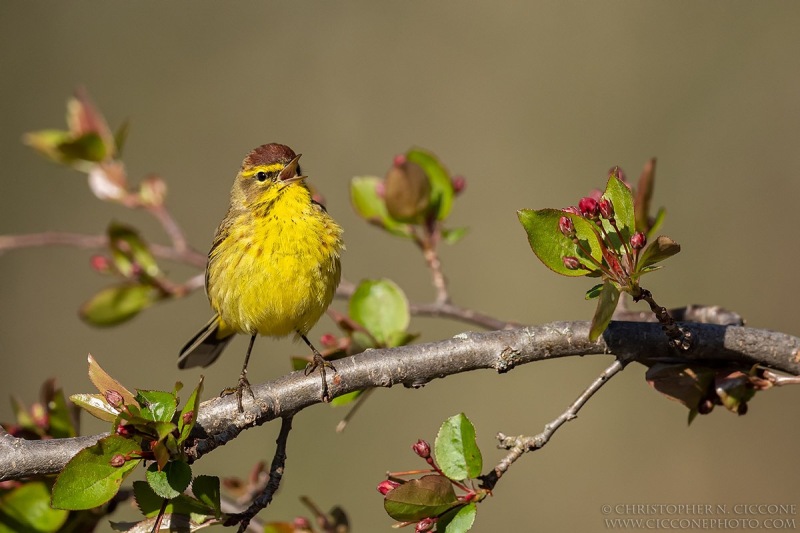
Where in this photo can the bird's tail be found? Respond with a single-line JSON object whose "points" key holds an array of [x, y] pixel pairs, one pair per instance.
{"points": [[204, 348]]}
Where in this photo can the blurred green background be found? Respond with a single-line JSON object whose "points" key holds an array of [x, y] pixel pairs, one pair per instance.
{"points": [[533, 103]]}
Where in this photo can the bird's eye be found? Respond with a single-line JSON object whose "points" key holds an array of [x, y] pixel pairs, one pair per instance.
{"points": [[261, 176]]}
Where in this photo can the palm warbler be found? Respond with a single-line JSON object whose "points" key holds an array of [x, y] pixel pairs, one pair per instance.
{"points": [[274, 264]]}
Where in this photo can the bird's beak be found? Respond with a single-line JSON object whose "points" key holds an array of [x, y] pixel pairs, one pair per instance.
{"points": [[289, 172]]}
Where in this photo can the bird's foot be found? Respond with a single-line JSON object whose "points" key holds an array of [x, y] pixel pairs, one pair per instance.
{"points": [[321, 363], [243, 385]]}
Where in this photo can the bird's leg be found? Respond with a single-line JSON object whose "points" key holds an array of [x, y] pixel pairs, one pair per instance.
{"points": [[243, 384], [321, 363]]}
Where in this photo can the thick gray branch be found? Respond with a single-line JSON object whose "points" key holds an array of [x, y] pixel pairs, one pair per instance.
{"points": [[413, 366]]}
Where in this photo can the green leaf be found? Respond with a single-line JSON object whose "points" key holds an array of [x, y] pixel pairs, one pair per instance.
{"points": [[442, 193], [371, 207], [26, 509], [458, 520], [344, 399], [657, 223], [95, 405], [594, 292], [606, 305], [189, 413], [658, 250], [149, 503], [89, 479], [157, 406], [115, 305], [47, 143], [58, 414], [452, 236], [456, 450], [86, 147], [621, 198], [416, 499], [551, 246], [121, 136], [381, 307], [206, 490], [171, 481], [129, 251]]}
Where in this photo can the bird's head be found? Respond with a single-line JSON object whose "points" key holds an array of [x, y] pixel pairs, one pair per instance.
{"points": [[265, 173]]}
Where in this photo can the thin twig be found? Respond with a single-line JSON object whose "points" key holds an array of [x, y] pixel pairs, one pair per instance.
{"points": [[94, 242], [275, 475], [171, 228], [522, 444]]}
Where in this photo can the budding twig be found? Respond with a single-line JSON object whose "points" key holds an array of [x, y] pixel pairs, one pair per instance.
{"points": [[521, 444]]}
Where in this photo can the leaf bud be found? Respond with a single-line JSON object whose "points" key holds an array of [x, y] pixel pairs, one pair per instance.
{"points": [[407, 192], [606, 208], [108, 181], [589, 207], [571, 262], [152, 191], [422, 448], [567, 227], [638, 240], [387, 485]]}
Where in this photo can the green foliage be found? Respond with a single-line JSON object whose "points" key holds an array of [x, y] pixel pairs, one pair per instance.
{"points": [[428, 496], [433, 497], [115, 305], [551, 247], [599, 238], [147, 426], [457, 452], [26, 509], [95, 474], [381, 307]]}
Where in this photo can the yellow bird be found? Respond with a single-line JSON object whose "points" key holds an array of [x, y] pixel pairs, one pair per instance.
{"points": [[274, 264]]}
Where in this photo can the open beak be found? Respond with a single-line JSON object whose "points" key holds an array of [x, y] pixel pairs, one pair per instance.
{"points": [[289, 172]]}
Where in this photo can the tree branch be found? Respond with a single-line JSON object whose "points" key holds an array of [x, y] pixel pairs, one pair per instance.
{"points": [[415, 365], [275, 475]]}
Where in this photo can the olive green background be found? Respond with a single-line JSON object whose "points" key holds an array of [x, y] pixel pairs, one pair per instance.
{"points": [[532, 102]]}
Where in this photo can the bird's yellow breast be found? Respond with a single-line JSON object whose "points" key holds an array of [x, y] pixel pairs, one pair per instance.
{"points": [[275, 266]]}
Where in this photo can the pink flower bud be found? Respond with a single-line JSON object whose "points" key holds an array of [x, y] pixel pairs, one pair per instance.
{"points": [[571, 262], [572, 209], [639, 240], [567, 227], [187, 417], [426, 524], [100, 263], [117, 460], [588, 207], [380, 189], [301, 523], [124, 430], [399, 160], [459, 184], [422, 448], [606, 208], [329, 340], [114, 398], [387, 485]]}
